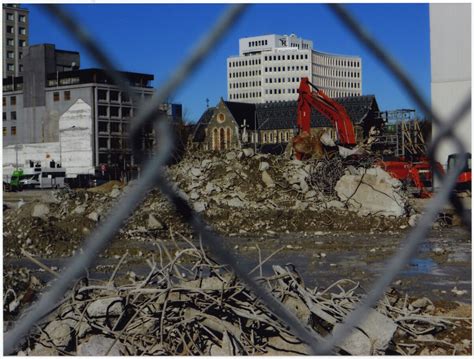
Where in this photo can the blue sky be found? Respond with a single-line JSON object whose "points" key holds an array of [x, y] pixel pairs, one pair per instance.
{"points": [[154, 38]]}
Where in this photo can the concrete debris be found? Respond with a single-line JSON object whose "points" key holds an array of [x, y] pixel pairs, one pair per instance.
{"points": [[199, 206], [263, 166], [99, 345], [196, 172], [413, 220], [115, 193], [267, 180], [372, 192], [94, 216], [40, 210], [248, 152], [105, 307], [271, 193], [210, 312], [154, 223]]}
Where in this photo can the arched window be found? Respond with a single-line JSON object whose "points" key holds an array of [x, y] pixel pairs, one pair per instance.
{"points": [[222, 139], [229, 138], [215, 140]]}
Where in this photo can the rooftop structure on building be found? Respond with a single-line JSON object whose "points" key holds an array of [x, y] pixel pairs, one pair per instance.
{"points": [[15, 38], [269, 69]]}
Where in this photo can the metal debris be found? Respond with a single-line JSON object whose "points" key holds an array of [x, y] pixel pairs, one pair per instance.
{"points": [[191, 305]]}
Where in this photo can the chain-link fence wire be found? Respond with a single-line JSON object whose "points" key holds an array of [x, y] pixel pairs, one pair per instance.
{"points": [[154, 175]]}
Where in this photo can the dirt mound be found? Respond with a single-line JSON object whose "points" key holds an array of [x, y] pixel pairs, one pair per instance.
{"points": [[106, 187]]}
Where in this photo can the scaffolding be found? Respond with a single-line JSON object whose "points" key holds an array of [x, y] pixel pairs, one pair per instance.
{"points": [[402, 135]]}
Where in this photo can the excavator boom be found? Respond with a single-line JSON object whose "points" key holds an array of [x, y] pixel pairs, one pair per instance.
{"points": [[335, 112]]}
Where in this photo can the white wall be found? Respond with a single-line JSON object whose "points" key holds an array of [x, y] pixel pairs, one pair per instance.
{"points": [[74, 150], [22, 154], [450, 40], [75, 137]]}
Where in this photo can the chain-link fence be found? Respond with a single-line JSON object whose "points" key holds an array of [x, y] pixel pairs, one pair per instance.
{"points": [[153, 176]]}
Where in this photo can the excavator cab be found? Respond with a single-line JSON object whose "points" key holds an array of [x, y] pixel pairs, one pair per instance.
{"points": [[464, 179]]}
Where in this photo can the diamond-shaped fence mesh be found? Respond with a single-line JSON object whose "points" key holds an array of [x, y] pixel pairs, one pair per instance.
{"points": [[153, 177]]}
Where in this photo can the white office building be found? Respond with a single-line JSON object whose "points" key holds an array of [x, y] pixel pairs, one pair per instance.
{"points": [[269, 69]]}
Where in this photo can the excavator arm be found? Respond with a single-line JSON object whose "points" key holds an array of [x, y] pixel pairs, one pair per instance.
{"points": [[335, 112]]}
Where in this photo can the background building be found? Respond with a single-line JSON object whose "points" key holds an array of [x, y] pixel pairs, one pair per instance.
{"points": [[450, 40], [270, 127], [15, 38], [78, 118], [269, 69]]}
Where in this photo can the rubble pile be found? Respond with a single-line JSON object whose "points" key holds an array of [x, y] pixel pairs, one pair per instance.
{"points": [[242, 180], [238, 192], [193, 306]]}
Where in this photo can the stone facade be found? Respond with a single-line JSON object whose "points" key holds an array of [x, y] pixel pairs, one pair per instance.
{"points": [[268, 125], [222, 132]]}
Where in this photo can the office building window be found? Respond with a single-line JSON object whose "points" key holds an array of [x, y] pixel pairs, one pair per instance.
{"points": [[21, 43], [4, 116], [10, 29], [67, 95], [11, 42], [10, 17], [102, 110], [22, 30], [114, 111], [10, 54], [4, 131], [11, 67], [13, 116], [103, 126], [114, 96], [13, 100], [126, 112], [102, 95], [4, 101], [22, 18], [55, 96], [13, 131]]}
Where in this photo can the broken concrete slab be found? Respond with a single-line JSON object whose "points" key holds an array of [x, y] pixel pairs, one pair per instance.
{"points": [[154, 223], [100, 345], [248, 152], [373, 192], [94, 216], [105, 307], [40, 210], [371, 337], [267, 179], [263, 166]]}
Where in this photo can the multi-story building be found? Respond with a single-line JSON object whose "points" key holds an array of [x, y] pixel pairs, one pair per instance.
{"points": [[79, 118], [269, 69], [15, 38]]}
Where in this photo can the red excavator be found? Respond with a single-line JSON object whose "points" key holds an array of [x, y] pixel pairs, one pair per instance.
{"points": [[305, 144], [415, 174]]}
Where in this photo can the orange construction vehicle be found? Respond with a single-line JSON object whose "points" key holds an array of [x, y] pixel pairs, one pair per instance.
{"points": [[305, 144], [465, 178], [415, 175]]}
